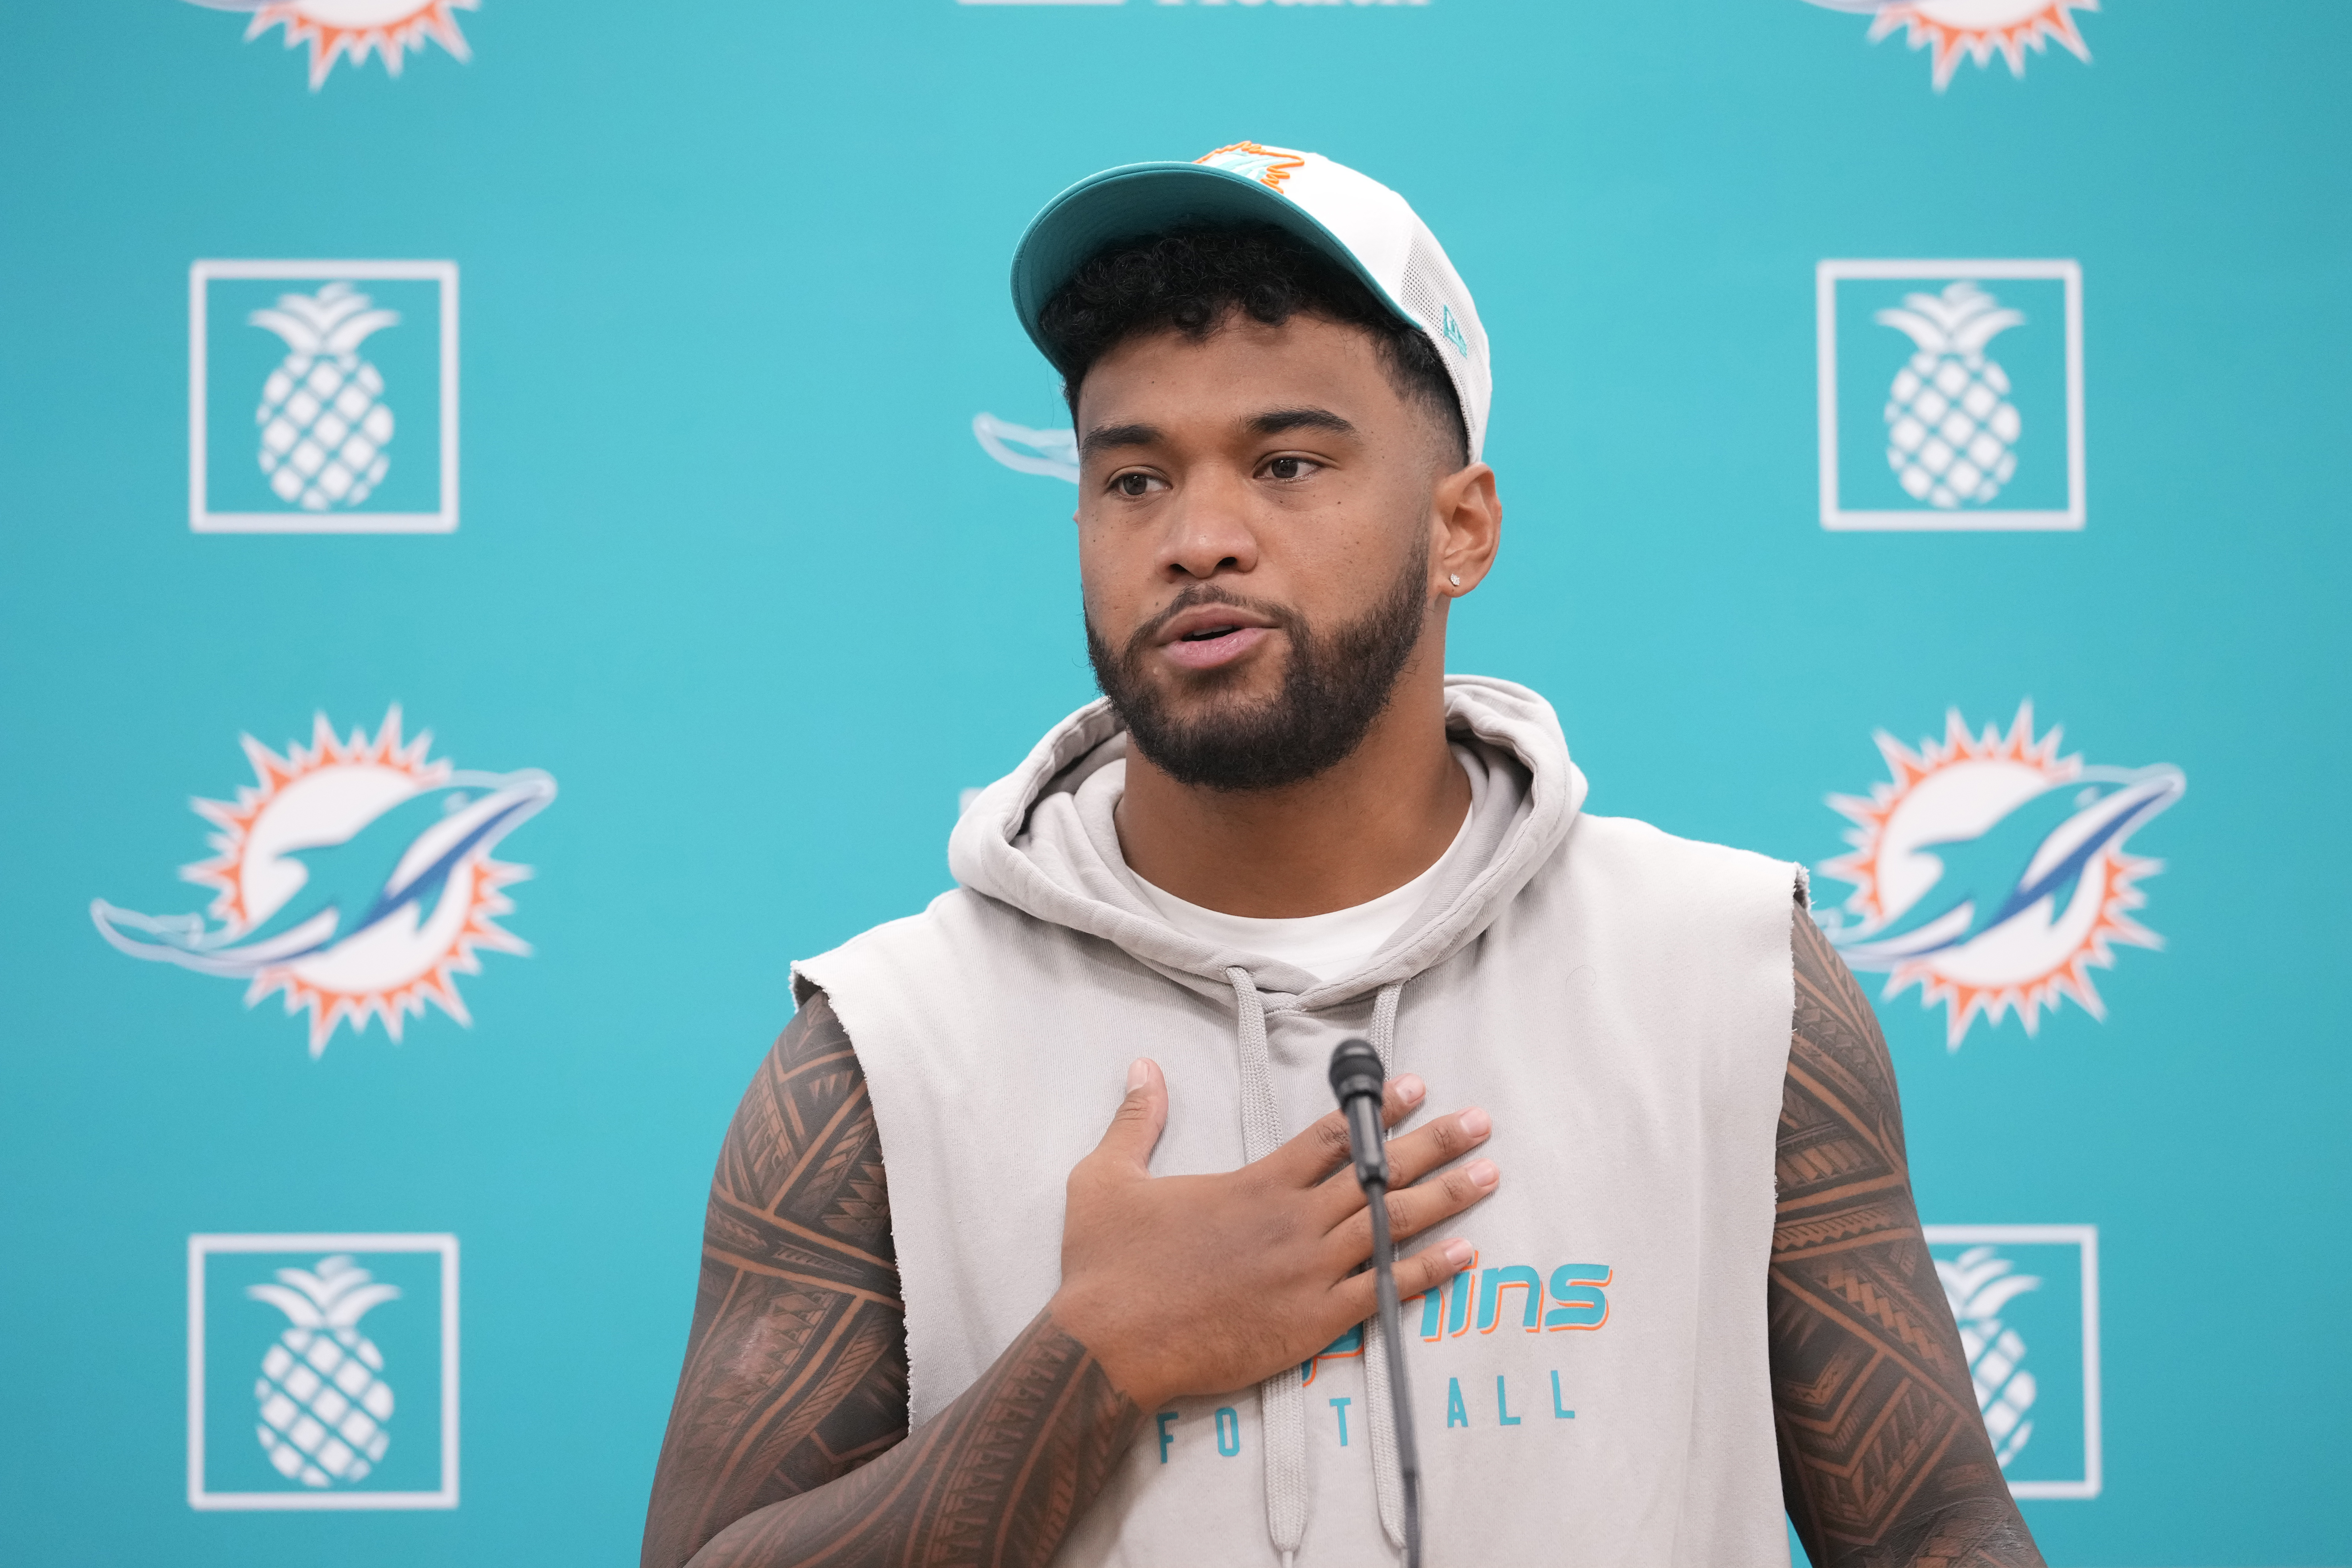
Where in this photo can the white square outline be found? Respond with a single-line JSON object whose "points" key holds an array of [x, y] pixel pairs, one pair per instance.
{"points": [[201, 1246], [1827, 275], [201, 521], [2086, 1239]]}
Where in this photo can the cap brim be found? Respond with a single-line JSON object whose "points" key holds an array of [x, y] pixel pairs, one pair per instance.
{"points": [[1139, 199]]}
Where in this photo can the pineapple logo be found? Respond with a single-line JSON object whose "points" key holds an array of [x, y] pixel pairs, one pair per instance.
{"points": [[350, 29], [1927, 437], [1950, 426], [323, 1405], [1975, 28], [1978, 1284], [295, 1342], [353, 876], [324, 427], [1991, 872], [294, 381]]}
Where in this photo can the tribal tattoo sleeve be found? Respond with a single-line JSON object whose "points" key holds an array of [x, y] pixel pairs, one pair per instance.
{"points": [[787, 1442], [1883, 1457]]}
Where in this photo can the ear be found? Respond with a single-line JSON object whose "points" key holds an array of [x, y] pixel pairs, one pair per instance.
{"points": [[1465, 518]]}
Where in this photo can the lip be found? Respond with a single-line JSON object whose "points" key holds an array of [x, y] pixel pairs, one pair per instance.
{"points": [[1179, 639], [1207, 617], [1212, 653]]}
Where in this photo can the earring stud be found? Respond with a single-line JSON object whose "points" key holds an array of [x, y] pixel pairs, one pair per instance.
{"points": [[1455, 578]]}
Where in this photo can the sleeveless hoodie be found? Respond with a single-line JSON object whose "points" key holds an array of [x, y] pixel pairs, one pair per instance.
{"points": [[1594, 1388]]}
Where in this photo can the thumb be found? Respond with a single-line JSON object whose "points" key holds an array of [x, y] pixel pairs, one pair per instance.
{"points": [[1136, 1125]]}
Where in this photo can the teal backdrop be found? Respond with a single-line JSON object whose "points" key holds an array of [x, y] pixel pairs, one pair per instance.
{"points": [[731, 571]]}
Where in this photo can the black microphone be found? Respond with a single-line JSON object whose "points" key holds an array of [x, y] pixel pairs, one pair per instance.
{"points": [[1356, 1078]]}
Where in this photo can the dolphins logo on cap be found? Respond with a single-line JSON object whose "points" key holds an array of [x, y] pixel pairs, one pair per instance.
{"points": [[1269, 166]]}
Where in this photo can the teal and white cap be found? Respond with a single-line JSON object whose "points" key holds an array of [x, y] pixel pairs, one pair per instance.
{"points": [[1354, 219]]}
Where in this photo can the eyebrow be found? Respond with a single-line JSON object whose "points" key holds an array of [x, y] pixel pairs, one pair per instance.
{"points": [[1103, 438], [1275, 421]]}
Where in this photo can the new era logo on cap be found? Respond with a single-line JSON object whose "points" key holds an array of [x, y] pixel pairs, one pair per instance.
{"points": [[1351, 217]]}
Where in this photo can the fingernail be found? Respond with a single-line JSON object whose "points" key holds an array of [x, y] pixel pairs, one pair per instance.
{"points": [[1459, 1253], [1483, 1172], [1411, 1090], [1477, 1122], [1137, 1075]]}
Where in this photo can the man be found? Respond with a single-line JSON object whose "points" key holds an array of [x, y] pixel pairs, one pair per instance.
{"points": [[1040, 1338]]}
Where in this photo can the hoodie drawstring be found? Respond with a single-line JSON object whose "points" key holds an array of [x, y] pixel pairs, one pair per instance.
{"points": [[1388, 1476], [1282, 1398]]}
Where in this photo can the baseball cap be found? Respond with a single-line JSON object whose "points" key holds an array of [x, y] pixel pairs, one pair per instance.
{"points": [[1352, 218]]}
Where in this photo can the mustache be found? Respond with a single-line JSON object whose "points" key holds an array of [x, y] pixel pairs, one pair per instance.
{"points": [[1143, 637]]}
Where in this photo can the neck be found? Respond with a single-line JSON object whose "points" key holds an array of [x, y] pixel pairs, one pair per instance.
{"points": [[1365, 827]]}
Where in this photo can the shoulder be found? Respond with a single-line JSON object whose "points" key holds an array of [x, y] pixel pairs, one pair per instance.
{"points": [[1631, 839], [1635, 868], [964, 945], [958, 921], [954, 916], [803, 1145], [1836, 1047], [812, 1064]]}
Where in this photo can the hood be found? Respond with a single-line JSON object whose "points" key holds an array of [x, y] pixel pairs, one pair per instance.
{"points": [[1042, 840]]}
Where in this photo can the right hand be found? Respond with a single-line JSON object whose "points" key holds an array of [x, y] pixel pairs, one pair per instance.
{"points": [[1186, 1285]]}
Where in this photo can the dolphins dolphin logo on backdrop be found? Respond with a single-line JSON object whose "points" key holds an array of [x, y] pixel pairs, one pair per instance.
{"points": [[1053, 453], [399, 860], [2036, 852], [354, 875], [1991, 872]]}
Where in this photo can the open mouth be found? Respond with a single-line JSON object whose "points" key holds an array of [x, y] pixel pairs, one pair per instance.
{"points": [[1210, 647]]}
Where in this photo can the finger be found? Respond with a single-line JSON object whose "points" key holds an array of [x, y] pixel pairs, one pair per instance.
{"points": [[1136, 1125], [1441, 1142], [1322, 1148], [1413, 1210], [1411, 1157], [1415, 1276]]}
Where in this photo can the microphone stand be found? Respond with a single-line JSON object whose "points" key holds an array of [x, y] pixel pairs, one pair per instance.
{"points": [[1356, 1078]]}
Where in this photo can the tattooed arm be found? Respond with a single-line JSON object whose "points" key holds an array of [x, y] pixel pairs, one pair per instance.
{"points": [[1884, 1458], [787, 1442]]}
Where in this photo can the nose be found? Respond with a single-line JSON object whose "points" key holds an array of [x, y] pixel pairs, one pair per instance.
{"points": [[1208, 532]]}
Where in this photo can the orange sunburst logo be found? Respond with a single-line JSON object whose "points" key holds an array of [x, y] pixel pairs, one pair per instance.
{"points": [[1976, 29], [352, 876], [352, 29], [1990, 871]]}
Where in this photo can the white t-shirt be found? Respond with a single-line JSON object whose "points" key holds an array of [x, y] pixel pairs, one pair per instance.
{"points": [[1327, 945]]}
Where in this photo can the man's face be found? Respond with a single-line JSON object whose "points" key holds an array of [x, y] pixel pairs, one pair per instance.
{"points": [[1254, 529]]}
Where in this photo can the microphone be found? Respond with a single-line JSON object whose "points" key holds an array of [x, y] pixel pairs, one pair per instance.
{"points": [[1356, 1078]]}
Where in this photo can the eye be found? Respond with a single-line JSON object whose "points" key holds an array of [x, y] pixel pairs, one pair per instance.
{"points": [[1291, 467], [1132, 484]]}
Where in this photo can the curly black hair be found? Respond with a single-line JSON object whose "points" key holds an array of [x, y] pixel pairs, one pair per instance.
{"points": [[1193, 278]]}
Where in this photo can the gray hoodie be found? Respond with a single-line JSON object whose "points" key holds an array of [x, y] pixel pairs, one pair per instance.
{"points": [[1595, 1386]]}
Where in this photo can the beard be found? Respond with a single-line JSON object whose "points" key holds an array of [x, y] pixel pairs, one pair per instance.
{"points": [[1333, 688]]}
